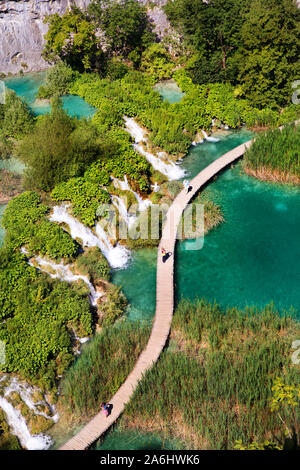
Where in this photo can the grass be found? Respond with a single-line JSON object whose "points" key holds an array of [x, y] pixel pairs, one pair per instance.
{"points": [[275, 156], [212, 386], [102, 367]]}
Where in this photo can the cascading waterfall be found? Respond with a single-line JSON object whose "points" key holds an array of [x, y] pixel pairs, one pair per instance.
{"points": [[17, 422], [117, 256], [120, 205], [170, 169], [209, 138], [124, 186], [64, 273]]}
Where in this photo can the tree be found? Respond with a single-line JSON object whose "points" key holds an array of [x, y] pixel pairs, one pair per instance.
{"points": [[72, 38], [212, 31], [15, 117], [58, 80], [268, 62], [125, 25], [157, 62], [58, 148]]}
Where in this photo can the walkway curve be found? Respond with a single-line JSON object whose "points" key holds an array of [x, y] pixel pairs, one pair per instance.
{"points": [[164, 306]]}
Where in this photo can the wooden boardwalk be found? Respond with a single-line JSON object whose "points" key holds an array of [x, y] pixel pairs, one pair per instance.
{"points": [[164, 306]]}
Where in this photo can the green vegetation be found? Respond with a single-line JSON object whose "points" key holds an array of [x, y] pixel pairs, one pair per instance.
{"points": [[275, 155], [38, 314], [7, 440], [125, 25], [285, 402], [84, 195], [72, 38], [58, 80], [58, 148], [26, 224], [251, 44], [93, 264], [213, 385], [114, 306], [15, 121], [102, 367]]}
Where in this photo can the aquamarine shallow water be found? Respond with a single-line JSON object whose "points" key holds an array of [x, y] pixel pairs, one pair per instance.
{"points": [[27, 87], [169, 91], [251, 259]]}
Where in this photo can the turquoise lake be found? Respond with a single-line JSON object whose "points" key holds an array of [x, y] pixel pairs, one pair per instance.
{"points": [[250, 259], [27, 87]]}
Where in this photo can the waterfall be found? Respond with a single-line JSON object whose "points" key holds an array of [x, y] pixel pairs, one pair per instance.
{"points": [[64, 272], [120, 205], [170, 169], [209, 138], [124, 186], [134, 130], [117, 256], [17, 422]]}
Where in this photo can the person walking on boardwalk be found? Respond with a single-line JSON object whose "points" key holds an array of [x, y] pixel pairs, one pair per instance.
{"points": [[104, 409], [187, 186]]}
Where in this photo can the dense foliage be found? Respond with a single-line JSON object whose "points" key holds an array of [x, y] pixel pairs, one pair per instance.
{"points": [[58, 80], [275, 155], [15, 120], [38, 314], [26, 224], [172, 126], [94, 264], [213, 385], [85, 197], [72, 38], [253, 44], [125, 26], [59, 147]]}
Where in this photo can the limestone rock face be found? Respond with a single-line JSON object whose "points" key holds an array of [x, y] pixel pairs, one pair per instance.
{"points": [[22, 32]]}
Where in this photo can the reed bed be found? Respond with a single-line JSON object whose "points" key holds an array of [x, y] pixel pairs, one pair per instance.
{"points": [[275, 155], [102, 367], [214, 381]]}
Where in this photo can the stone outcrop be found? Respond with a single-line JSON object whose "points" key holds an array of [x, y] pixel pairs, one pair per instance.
{"points": [[22, 30]]}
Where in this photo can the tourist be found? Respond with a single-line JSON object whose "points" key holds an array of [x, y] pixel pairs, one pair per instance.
{"points": [[104, 408], [166, 256]]}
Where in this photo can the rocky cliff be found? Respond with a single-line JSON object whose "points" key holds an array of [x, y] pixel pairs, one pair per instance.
{"points": [[22, 30]]}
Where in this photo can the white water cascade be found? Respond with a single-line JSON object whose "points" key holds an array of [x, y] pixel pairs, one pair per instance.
{"points": [[17, 422], [209, 138], [120, 205], [117, 256], [124, 186], [64, 273], [169, 169]]}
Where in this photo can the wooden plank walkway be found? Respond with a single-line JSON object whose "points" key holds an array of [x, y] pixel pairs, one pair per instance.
{"points": [[164, 306]]}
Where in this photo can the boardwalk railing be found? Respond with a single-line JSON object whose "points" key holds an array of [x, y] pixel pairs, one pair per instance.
{"points": [[164, 306]]}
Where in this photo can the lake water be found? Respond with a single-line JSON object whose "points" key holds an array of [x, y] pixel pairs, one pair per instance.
{"points": [[250, 259], [27, 87]]}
